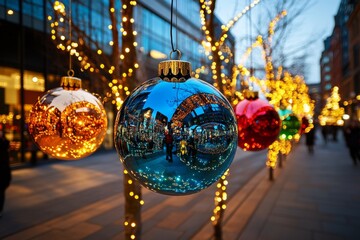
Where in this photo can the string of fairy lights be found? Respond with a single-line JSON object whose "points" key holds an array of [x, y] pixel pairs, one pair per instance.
{"points": [[220, 199], [282, 88], [117, 86], [132, 223], [214, 48], [269, 68], [127, 74]]}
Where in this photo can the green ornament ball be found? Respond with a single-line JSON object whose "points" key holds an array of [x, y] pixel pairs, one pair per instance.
{"points": [[290, 126]]}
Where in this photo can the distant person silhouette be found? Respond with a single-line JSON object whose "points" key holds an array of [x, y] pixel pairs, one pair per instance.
{"points": [[352, 139], [5, 171], [334, 130], [310, 140], [192, 149], [324, 133], [169, 146]]}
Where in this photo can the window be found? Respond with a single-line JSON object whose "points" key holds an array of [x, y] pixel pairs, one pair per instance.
{"points": [[328, 86], [10, 5], [325, 59], [10, 105]]}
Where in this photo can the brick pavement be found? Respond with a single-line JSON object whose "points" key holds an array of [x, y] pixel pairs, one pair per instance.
{"points": [[313, 197]]}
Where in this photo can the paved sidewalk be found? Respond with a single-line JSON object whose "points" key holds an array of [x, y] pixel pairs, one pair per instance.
{"points": [[312, 197], [84, 200], [315, 197]]}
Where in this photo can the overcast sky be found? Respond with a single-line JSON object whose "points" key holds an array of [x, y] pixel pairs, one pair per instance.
{"points": [[317, 20]]}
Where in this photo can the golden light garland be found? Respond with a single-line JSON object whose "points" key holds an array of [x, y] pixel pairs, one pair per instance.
{"points": [[136, 198], [272, 154], [258, 43], [276, 148], [220, 199], [214, 47], [283, 89], [284, 147]]}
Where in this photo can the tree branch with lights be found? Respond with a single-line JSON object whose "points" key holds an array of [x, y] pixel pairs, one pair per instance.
{"points": [[217, 52], [283, 90]]}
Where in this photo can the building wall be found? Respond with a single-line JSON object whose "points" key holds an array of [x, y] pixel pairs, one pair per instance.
{"points": [[344, 54], [326, 72], [354, 52]]}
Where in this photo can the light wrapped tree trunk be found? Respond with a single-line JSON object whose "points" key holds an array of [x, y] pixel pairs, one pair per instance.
{"points": [[220, 206], [128, 63], [133, 203]]}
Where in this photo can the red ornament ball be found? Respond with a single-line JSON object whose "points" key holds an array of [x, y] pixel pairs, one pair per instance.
{"points": [[258, 124]]}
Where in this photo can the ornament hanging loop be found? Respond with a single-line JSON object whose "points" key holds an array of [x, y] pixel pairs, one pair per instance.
{"points": [[178, 54], [70, 73]]}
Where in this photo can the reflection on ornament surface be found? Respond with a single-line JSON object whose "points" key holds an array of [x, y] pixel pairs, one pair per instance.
{"points": [[68, 124], [283, 112], [176, 138], [290, 126], [258, 124]]}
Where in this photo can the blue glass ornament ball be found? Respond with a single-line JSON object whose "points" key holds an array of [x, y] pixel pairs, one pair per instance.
{"points": [[176, 136]]}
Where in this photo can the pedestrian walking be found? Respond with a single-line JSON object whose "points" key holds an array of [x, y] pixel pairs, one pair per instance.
{"points": [[310, 140], [334, 132], [5, 171], [324, 133], [169, 146], [352, 139]]}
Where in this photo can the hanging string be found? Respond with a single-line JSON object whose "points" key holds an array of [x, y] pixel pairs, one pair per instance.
{"points": [[250, 32], [251, 84], [171, 32], [70, 71], [171, 26], [176, 25]]}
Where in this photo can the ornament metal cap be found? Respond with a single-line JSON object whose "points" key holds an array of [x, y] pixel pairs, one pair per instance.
{"points": [[70, 83], [174, 70], [250, 95]]}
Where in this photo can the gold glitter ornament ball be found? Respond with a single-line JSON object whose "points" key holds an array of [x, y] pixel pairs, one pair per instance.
{"points": [[68, 123]]}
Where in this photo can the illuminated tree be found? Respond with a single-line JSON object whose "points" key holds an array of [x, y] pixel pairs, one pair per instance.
{"points": [[283, 90], [332, 113], [220, 205]]}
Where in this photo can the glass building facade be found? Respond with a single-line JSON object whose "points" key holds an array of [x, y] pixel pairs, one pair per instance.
{"points": [[30, 63]]}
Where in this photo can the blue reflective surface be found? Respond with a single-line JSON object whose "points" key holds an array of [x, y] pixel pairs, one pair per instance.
{"points": [[176, 138]]}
